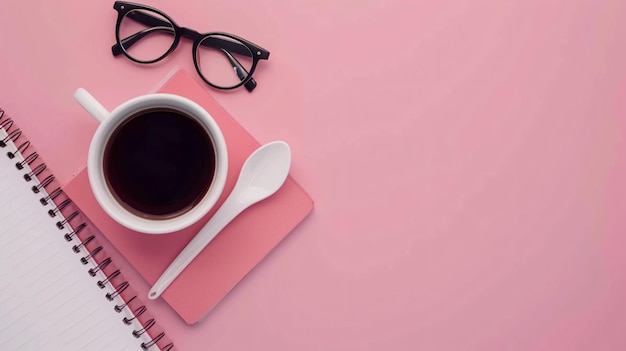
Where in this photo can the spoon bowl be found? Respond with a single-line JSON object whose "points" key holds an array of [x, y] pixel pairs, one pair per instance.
{"points": [[263, 173]]}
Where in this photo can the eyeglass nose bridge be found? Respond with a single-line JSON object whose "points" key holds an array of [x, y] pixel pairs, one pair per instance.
{"points": [[189, 33]]}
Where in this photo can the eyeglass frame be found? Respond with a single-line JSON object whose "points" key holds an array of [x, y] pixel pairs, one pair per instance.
{"points": [[258, 53]]}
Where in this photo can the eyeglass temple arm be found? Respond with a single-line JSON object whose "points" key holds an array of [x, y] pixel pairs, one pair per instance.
{"points": [[154, 22], [241, 72]]}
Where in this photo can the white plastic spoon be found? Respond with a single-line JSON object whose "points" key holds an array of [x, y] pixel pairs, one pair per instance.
{"points": [[263, 173]]}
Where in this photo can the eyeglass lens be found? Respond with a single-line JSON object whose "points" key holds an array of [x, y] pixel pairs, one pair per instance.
{"points": [[221, 66], [145, 35]]}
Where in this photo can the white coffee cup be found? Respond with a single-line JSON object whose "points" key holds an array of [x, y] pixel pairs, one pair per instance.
{"points": [[109, 121]]}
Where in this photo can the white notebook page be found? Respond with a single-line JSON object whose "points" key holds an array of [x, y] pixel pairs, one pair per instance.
{"points": [[48, 301]]}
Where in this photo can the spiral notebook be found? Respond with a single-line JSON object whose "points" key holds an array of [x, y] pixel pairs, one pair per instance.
{"points": [[234, 252], [58, 288]]}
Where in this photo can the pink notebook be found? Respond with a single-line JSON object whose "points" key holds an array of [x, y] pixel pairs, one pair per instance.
{"points": [[233, 253]]}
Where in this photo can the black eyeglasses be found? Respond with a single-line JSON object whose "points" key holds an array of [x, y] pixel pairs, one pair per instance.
{"points": [[147, 35]]}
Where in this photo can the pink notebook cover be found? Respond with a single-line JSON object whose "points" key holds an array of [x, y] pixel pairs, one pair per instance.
{"points": [[233, 253]]}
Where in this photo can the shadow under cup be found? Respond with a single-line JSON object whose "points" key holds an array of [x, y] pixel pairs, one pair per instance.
{"points": [[159, 163]]}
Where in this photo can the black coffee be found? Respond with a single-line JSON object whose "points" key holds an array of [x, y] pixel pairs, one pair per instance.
{"points": [[159, 163]]}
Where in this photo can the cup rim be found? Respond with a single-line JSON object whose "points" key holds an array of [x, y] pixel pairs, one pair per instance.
{"points": [[95, 167]]}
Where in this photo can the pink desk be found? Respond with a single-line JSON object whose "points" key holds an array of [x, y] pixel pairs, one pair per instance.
{"points": [[467, 160]]}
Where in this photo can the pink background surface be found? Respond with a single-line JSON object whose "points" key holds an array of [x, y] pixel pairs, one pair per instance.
{"points": [[467, 161]]}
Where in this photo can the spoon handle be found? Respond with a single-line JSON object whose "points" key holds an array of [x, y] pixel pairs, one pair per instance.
{"points": [[222, 217]]}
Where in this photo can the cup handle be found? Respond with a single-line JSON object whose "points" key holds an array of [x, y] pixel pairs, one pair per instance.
{"points": [[91, 105]]}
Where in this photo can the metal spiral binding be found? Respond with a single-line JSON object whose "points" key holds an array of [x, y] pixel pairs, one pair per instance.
{"points": [[77, 248], [146, 346], [44, 183], [103, 283], [51, 196], [14, 135], [93, 271], [61, 224], [20, 149], [120, 308], [85, 260], [149, 324], [35, 172], [138, 312], [6, 124], [53, 212], [27, 161], [69, 236], [118, 291]]}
